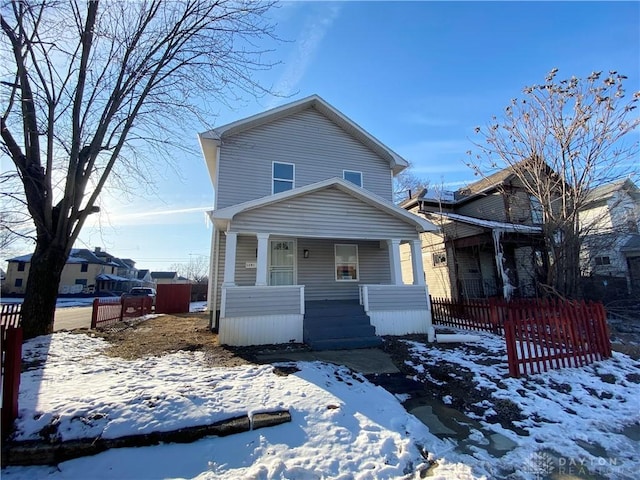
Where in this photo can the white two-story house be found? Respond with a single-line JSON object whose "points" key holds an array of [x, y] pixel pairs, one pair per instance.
{"points": [[306, 239]]}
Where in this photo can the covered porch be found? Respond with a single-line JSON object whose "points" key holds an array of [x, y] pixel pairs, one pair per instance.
{"points": [[267, 279]]}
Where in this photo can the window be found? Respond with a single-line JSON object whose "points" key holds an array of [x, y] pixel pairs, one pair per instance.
{"points": [[21, 266], [536, 210], [439, 259], [81, 281], [603, 261], [283, 175], [353, 177], [84, 267], [18, 282], [346, 262]]}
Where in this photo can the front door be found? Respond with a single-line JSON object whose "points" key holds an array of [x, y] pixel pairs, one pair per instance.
{"points": [[282, 262]]}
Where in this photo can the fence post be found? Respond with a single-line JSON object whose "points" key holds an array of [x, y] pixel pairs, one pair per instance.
{"points": [[94, 313], [11, 378], [512, 352], [122, 299]]}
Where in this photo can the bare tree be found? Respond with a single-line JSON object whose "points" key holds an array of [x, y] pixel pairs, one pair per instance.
{"points": [[561, 140], [87, 86], [406, 184], [196, 270]]}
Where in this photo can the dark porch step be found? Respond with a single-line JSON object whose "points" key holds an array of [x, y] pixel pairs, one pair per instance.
{"points": [[355, 319], [345, 343], [321, 332]]}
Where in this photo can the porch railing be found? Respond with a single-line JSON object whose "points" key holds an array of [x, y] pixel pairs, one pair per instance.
{"points": [[393, 297], [249, 301]]}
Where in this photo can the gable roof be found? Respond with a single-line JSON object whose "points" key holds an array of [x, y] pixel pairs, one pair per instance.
{"points": [[606, 191], [222, 217], [210, 140], [142, 273]]}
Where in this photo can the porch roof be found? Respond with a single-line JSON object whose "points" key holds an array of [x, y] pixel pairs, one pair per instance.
{"points": [[222, 218], [479, 222]]}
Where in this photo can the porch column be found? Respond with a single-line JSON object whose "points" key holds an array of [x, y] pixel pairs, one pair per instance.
{"points": [[393, 246], [261, 266], [230, 260], [416, 260]]}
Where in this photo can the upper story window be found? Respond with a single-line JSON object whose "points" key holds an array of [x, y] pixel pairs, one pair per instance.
{"points": [[604, 260], [283, 176], [21, 266], [353, 177], [84, 267], [536, 210]]}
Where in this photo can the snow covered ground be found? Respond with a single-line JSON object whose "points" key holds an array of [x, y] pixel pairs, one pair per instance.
{"points": [[61, 302], [342, 426]]}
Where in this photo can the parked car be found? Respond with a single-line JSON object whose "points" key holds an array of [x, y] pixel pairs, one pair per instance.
{"points": [[142, 292]]}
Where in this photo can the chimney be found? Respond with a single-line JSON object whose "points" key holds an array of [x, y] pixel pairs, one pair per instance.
{"points": [[97, 250]]}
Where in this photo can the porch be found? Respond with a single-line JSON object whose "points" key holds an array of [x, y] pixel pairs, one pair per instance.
{"points": [[328, 293]]}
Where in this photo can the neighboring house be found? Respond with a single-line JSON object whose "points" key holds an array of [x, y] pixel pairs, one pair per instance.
{"points": [[167, 278], [144, 278], [3, 277], [306, 239], [86, 271], [490, 240], [610, 222]]}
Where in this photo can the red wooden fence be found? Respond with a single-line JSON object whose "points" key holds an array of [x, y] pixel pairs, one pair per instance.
{"points": [[107, 311], [487, 315], [540, 334], [11, 352], [556, 334]]}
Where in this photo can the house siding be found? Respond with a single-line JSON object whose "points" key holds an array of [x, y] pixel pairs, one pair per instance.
{"points": [[490, 207], [254, 302], [317, 147], [317, 273], [328, 213]]}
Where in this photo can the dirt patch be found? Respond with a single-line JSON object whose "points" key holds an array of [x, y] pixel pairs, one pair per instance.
{"points": [[167, 334], [186, 332]]}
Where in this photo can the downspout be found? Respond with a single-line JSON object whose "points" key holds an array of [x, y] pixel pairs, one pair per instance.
{"points": [[213, 291]]}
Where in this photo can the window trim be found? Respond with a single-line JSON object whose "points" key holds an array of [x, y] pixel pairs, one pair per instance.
{"points": [[441, 253], [344, 172], [335, 262], [274, 178]]}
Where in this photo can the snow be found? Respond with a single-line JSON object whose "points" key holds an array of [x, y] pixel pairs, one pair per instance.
{"points": [[342, 425], [507, 227], [61, 302], [579, 413]]}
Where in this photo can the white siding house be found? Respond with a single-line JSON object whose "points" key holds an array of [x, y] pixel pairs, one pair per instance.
{"points": [[306, 237]]}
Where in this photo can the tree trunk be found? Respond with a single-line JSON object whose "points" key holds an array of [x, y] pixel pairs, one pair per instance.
{"points": [[39, 305]]}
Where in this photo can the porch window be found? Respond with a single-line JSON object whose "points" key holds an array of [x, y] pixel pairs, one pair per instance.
{"points": [[353, 177], [283, 176], [346, 262], [439, 259]]}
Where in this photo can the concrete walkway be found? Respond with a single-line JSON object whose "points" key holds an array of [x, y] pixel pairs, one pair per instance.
{"points": [[364, 360]]}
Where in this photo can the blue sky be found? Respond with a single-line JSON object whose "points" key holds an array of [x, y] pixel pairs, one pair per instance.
{"points": [[419, 76]]}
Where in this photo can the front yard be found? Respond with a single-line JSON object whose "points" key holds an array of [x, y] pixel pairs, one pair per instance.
{"points": [[168, 373]]}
